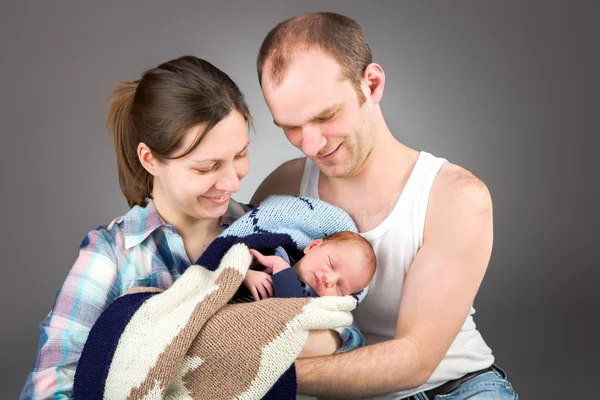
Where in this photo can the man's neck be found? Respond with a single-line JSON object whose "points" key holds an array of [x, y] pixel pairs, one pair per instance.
{"points": [[370, 194], [383, 166]]}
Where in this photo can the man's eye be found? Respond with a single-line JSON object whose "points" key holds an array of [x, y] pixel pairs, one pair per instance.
{"points": [[327, 118]]}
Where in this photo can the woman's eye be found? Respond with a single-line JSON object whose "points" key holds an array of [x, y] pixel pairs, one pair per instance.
{"points": [[242, 155], [207, 171]]}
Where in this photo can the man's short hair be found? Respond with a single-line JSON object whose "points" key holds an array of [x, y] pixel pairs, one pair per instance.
{"points": [[337, 35]]}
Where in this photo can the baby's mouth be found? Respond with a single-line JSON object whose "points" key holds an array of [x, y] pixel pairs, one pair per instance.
{"points": [[317, 281]]}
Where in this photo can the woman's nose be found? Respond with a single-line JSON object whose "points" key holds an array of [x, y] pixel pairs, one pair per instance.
{"points": [[230, 181]]}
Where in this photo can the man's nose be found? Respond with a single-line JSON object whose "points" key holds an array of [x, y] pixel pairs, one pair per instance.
{"points": [[312, 140]]}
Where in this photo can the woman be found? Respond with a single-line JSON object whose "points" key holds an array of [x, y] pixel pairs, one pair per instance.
{"points": [[181, 138]]}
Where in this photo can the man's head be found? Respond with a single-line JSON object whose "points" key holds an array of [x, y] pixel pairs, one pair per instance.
{"points": [[323, 89], [337, 265]]}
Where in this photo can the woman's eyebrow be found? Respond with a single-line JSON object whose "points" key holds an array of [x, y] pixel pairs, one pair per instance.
{"points": [[198, 161]]}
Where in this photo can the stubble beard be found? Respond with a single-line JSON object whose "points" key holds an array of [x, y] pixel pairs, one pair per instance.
{"points": [[348, 167]]}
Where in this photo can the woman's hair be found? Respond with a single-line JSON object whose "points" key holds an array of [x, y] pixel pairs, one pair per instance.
{"points": [[160, 108]]}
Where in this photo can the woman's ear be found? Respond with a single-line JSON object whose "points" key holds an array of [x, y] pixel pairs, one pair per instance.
{"points": [[312, 245], [147, 159]]}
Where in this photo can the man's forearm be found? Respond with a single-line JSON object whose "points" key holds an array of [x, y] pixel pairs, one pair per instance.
{"points": [[369, 371]]}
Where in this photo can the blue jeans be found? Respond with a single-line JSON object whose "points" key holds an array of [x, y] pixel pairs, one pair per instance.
{"points": [[488, 386]]}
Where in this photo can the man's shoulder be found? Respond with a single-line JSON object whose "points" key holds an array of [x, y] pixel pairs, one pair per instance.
{"points": [[455, 185], [294, 166], [458, 176], [284, 180]]}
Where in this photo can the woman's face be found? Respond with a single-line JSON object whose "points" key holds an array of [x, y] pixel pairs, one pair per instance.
{"points": [[199, 185]]}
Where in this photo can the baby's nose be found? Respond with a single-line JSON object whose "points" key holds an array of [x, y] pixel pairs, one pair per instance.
{"points": [[329, 281]]}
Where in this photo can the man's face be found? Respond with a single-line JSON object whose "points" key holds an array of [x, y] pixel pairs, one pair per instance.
{"points": [[319, 112]]}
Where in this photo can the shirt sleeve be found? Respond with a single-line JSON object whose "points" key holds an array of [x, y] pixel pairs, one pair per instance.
{"points": [[286, 285], [90, 286], [351, 337], [280, 252]]}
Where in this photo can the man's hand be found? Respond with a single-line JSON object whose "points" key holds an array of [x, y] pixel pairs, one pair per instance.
{"points": [[272, 264], [259, 283]]}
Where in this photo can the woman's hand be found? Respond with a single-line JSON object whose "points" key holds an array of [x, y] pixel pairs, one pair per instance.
{"points": [[259, 283]]}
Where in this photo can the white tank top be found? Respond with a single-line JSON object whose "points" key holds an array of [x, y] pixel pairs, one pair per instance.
{"points": [[396, 242]]}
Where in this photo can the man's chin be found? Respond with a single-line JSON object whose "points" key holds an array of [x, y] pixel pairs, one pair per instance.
{"points": [[332, 171]]}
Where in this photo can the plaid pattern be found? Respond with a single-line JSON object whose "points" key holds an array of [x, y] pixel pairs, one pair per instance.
{"points": [[138, 249]]}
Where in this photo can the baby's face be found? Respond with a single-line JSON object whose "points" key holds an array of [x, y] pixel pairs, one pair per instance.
{"points": [[334, 268]]}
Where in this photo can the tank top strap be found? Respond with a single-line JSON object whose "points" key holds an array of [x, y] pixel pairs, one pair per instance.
{"points": [[310, 180], [419, 190]]}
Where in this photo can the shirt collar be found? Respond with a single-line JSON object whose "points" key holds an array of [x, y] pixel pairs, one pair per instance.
{"points": [[140, 222], [234, 211]]}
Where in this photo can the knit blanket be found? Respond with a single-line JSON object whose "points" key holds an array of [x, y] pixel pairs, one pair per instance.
{"points": [[187, 342]]}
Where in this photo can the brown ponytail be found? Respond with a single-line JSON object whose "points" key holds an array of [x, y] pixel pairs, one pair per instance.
{"points": [[135, 181], [160, 108]]}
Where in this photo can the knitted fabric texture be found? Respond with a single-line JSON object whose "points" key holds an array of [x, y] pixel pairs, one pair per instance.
{"points": [[187, 343]]}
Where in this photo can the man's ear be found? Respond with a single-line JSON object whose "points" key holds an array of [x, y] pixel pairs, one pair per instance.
{"points": [[373, 82], [147, 159], [312, 245]]}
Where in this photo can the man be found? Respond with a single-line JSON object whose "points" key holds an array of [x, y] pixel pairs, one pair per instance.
{"points": [[429, 221]]}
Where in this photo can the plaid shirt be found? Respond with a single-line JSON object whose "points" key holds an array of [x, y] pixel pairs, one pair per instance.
{"points": [[138, 249]]}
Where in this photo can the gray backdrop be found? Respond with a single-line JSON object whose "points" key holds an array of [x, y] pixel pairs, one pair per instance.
{"points": [[505, 89]]}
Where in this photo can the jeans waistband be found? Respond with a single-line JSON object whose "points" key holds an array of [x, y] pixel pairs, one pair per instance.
{"points": [[452, 385]]}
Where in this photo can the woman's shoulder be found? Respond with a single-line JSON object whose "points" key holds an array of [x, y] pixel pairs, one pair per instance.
{"points": [[123, 232], [105, 237]]}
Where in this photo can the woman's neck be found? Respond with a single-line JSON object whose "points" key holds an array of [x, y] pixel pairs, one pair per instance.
{"points": [[196, 233]]}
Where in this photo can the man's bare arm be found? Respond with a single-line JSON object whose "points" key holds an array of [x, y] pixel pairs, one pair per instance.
{"points": [[286, 179], [439, 290]]}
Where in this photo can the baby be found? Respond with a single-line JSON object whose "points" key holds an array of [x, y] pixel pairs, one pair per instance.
{"points": [[338, 265]]}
